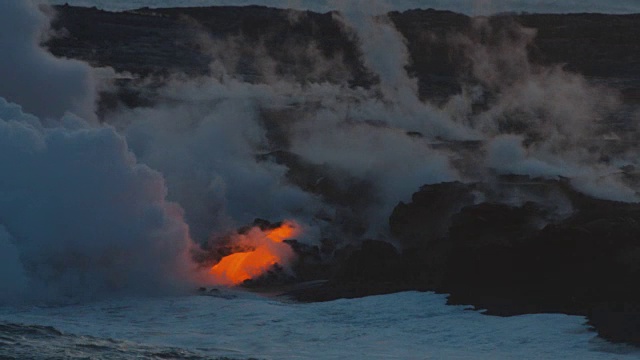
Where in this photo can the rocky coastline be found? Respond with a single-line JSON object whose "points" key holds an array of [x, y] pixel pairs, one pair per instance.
{"points": [[553, 249]]}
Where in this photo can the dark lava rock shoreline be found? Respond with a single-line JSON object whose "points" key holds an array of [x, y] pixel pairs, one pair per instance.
{"points": [[557, 250], [507, 259]]}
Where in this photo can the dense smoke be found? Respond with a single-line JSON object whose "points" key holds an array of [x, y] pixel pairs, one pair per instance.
{"points": [[43, 84], [79, 217], [86, 209], [540, 121], [206, 136], [207, 149]]}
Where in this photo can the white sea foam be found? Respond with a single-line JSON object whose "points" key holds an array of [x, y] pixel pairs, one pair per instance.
{"points": [[400, 326]]}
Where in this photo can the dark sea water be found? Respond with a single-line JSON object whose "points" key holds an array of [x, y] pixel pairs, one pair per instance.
{"points": [[20, 341], [242, 325]]}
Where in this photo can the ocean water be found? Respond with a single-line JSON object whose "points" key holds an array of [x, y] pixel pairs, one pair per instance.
{"points": [[242, 325], [470, 7]]}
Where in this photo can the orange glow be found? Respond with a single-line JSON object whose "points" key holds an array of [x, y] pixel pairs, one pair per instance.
{"points": [[288, 230], [269, 250]]}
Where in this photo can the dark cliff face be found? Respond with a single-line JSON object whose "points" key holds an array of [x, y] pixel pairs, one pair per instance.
{"points": [[521, 259], [128, 42], [591, 44], [168, 41], [165, 41]]}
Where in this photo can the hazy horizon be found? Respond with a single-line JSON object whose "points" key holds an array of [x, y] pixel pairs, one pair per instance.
{"points": [[469, 7]]}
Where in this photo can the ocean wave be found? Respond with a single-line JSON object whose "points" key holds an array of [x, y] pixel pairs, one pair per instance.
{"points": [[24, 342]]}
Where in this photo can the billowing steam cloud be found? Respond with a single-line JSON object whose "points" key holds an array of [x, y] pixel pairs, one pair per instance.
{"points": [[542, 121], [83, 209], [399, 91], [44, 85], [207, 137], [207, 150], [78, 215]]}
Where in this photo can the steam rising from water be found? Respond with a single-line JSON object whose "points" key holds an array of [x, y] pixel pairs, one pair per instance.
{"points": [[84, 209], [79, 216]]}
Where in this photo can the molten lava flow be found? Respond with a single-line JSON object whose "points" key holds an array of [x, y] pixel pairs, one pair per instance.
{"points": [[269, 250], [287, 230]]}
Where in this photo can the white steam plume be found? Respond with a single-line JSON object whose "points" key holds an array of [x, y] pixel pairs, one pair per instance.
{"points": [[79, 216], [385, 53], [538, 121], [43, 84], [207, 147], [205, 138]]}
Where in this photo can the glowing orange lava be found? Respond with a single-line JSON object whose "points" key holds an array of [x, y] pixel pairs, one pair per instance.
{"points": [[287, 230], [269, 250]]}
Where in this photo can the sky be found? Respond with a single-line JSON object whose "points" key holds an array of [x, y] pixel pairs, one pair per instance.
{"points": [[470, 7]]}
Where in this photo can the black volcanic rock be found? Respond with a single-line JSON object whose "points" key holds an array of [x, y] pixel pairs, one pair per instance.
{"points": [[158, 42], [128, 42], [595, 45], [376, 267], [509, 259], [165, 41], [427, 218], [500, 259], [493, 224], [375, 261], [591, 44]]}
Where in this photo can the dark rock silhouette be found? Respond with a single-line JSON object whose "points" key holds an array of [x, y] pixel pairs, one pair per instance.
{"points": [[158, 42], [509, 260]]}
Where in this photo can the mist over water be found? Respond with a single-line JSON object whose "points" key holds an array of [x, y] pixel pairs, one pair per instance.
{"points": [[400, 326]]}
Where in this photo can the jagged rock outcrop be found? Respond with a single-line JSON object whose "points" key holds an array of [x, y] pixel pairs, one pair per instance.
{"points": [[509, 259]]}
